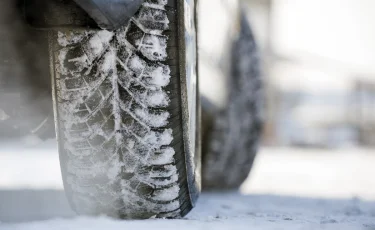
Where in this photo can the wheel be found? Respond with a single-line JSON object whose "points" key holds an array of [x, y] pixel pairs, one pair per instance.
{"points": [[126, 114], [231, 133]]}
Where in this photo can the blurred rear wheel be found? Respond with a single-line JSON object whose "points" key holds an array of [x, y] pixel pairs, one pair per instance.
{"points": [[231, 134]]}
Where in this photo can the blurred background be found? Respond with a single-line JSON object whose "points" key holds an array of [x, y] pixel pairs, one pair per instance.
{"points": [[318, 59], [318, 64]]}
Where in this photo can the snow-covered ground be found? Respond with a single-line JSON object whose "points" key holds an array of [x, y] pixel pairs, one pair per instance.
{"points": [[288, 189]]}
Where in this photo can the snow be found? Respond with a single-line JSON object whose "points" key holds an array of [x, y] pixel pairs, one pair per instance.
{"points": [[152, 119], [153, 47], [109, 63], [160, 77], [166, 157], [99, 42], [159, 5], [339, 173], [65, 39], [157, 99], [214, 211], [168, 194], [288, 189], [3, 115]]}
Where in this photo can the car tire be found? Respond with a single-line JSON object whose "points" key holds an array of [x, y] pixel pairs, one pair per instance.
{"points": [[120, 118], [231, 134]]}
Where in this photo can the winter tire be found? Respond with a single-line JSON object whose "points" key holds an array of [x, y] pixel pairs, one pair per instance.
{"points": [[126, 114], [231, 133]]}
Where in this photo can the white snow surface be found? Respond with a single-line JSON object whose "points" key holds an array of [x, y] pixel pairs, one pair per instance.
{"points": [[287, 189], [215, 211]]}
